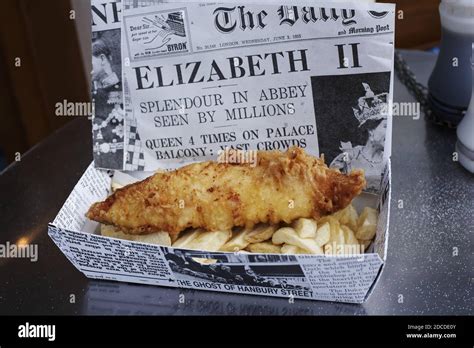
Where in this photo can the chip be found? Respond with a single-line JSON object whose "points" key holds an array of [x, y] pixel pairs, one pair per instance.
{"points": [[237, 242], [349, 237], [209, 240], [323, 234], [348, 216], [352, 245], [292, 249], [337, 235], [185, 238], [287, 235], [260, 233], [367, 224], [115, 186], [264, 248], [306, 228]]}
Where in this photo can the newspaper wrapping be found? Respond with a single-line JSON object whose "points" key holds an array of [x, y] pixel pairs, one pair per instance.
{"points": [[202, 77]]}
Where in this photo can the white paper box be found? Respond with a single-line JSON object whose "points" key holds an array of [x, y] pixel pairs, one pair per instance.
{"points": [[316, 277]]}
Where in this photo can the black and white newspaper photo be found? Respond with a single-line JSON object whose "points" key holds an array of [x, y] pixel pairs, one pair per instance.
{"points": [[107, 90]]}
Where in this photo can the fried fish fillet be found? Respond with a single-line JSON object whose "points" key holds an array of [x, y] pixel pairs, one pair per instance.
{"points": [[281, 187]]}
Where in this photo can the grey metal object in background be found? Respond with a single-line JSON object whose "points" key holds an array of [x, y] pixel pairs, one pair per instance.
{"points": [[450, 83], [429, 268]]}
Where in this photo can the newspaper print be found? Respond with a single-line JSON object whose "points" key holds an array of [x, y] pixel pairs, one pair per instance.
{"points": [[204, 77], [313, 277], [114, 140], [108, 122], [321, 277], [134, 156]]}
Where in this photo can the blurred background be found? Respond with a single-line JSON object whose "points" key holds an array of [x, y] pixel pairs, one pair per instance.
{"points": [[53, 46]]}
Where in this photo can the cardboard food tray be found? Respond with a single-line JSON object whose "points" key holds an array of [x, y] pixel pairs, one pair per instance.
{"points": [[316, 277]]}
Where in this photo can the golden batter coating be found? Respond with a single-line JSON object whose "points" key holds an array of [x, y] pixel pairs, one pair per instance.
{"points": [[282, 187]]}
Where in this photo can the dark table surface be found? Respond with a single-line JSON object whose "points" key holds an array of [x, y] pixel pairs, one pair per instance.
{"points": [[429, 269]]}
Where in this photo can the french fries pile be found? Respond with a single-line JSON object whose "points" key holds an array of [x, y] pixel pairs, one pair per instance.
{"points": [[344, 230]]}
